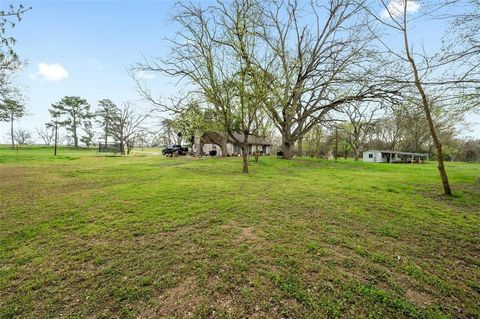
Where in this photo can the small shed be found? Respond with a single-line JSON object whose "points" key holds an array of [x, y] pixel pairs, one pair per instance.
{"points": [[388, 156]]}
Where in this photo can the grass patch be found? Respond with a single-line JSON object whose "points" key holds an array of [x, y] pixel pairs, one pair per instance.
{"points": [[84, 235]]}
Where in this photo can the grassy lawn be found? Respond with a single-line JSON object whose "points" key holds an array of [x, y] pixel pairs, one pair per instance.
{"points": [[151, 237]]}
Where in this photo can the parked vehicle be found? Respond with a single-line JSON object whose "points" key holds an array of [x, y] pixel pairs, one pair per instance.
{"points": [[170, 150]]}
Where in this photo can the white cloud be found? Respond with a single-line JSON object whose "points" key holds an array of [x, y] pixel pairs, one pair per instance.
{"points": [[395, 8], [144, 75], [51, 72]]}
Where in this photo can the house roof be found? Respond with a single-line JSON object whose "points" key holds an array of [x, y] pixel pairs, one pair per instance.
{"points": [[252, 139], [218, 137], [398, 152]]}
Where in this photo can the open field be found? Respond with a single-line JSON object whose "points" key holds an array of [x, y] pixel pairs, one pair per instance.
{"points": [[149, 237]]}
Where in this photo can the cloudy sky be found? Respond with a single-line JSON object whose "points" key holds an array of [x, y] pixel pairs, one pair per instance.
{"points": [[84, 48]]}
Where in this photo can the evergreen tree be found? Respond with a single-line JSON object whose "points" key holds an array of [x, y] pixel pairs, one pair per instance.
{"points": [[75, 111], [87, 139], [10, 110], [107, 109]]}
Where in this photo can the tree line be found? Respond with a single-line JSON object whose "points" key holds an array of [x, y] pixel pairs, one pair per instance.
{"points": [[121, 123], [349, 68], [300, 63]]}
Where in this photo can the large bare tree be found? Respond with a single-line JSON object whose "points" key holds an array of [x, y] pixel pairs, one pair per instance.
{"points": [[216, 53], [126, 126], [323, 61], [361, 121]]}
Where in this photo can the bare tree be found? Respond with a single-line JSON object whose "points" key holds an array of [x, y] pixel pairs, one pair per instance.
{"points": [[9, 60], [46, 134], [428, 80], [22, 136], [314, 141], [126, 125], [389, 129], [217, 52], [263, 128], [323, 61], [361, 119], [462, 45]]}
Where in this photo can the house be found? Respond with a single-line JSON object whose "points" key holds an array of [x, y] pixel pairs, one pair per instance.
{"points": [[213, 141], [387, 156]]}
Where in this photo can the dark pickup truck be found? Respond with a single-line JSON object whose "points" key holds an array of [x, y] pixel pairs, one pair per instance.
{"points": [[171, 149]]}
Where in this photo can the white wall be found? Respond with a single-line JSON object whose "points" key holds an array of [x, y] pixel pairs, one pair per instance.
{"points": [[376, 157], [230, 149], [210, 147]]}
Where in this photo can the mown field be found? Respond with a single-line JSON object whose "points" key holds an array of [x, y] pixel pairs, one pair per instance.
{"points": [[83, 236]]}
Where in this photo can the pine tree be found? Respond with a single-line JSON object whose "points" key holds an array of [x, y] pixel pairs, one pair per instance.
{"points": [[10, 110], [75, 111]]}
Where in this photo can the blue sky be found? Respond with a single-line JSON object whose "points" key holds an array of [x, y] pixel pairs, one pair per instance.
{"points": [[95, 42]]}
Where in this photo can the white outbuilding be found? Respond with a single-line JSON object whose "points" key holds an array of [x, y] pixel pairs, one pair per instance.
{"points": [[386, 156], [373, 156]]}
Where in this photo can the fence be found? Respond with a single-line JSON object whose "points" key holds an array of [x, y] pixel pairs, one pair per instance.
{"points": [[109, 148]]}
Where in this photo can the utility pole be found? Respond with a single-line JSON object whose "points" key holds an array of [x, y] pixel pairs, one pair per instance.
{"points": [[54, 124]]}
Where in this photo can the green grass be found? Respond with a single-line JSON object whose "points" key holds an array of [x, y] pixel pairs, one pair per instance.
{"points": [[149, 237]]}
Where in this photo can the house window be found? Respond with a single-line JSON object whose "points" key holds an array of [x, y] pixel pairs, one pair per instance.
{"points": [[214, 147], [370, 155]]}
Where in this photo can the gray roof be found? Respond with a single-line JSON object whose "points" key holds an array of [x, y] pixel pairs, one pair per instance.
{"points": [[218, 137], [398, 152], [251, 139]]}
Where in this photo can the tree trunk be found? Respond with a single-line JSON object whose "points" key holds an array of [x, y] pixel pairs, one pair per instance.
{"points": [[335, 156], [106, 133], [75, 138], [223, 145], [245, 156], [197, 142], [256, 152], [11, 131], [357, 154], [56, 139], [426, 107], [122, 147], [287, 143], [441, 167], [287, 150], [300, 147]]}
